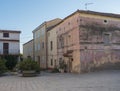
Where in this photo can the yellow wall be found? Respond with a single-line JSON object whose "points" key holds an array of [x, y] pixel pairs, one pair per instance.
{"points": [[28, 49], [52, 54]]}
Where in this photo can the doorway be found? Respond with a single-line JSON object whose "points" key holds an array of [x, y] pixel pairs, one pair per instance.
{"points": [[70, 64], [5, 48]]}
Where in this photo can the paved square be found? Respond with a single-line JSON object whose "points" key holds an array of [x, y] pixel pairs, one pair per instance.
{"points": [[98, 81]]}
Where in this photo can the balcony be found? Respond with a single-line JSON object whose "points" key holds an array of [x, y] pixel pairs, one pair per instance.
{"points": [[68, 53]]}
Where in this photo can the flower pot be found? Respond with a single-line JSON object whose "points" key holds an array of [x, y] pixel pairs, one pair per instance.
{"points": [[29, 73]]}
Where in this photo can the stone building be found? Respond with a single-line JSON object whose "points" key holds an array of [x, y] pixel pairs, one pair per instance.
{"points": [[87, 39], [28, 49], [52, 48], [40, 42]]}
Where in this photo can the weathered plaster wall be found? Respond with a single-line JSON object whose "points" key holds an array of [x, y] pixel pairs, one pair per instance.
{"points": [[93, 48]]}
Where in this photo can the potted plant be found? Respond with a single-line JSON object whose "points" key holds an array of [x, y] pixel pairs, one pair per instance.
{"points": [[28, 67]]}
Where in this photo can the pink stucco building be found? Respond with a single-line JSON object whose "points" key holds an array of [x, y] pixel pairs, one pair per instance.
{"points": [[87, 39]]}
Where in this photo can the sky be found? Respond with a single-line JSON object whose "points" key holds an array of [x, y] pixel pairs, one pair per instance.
{"points": [[26, 15]]}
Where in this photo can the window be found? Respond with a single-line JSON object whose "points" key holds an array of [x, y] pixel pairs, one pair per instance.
{"points": [[68, 23], [35, 47], [5, 48], [51, 62], [35, 35], [38, 34], [55, 62], [51, 45], [105, 21], [39, 46], [106, 39], [62, 42], [69, 36], [29, 57], [42, 59], [85, 47], [5, 34], [60, 61], [43, 45], [38, 59]]}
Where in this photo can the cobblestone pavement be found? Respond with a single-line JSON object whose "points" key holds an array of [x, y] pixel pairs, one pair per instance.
{"points": [[98, 81]]}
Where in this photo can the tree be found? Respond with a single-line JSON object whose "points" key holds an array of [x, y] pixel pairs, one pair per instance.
{"points": [[11, 61]]}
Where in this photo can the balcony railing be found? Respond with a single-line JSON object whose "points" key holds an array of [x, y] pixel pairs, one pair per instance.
{"points": [[9, 52]]}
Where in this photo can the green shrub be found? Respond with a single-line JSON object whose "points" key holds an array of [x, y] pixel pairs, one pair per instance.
{"points": [[2, 66], [11, 61], [28, 64]]}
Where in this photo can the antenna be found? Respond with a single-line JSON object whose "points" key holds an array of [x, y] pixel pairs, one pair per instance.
{"points": [[86, 5]]}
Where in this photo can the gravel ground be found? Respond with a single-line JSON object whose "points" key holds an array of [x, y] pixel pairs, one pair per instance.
{"points": [[97, 81]]}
